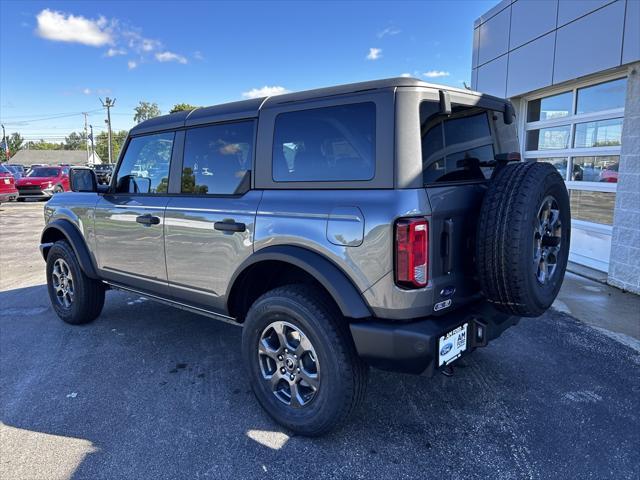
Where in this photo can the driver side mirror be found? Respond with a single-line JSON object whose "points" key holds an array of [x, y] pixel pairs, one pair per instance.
{"points": [[83, 179]]}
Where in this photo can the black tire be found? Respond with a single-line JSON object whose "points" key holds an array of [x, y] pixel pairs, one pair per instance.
{"points": [[88, 294], [513, 273], [342, 374]]}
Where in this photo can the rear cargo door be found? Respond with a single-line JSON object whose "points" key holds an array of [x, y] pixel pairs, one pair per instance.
{"points": [[458, 153]]}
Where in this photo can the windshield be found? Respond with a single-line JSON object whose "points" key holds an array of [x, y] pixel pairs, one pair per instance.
{"points": [[461, 147], [44, 172]]}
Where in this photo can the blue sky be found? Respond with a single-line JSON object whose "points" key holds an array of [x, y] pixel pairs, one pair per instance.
{"points": [[59, 57]]}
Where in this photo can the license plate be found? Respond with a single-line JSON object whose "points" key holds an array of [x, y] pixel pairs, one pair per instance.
{"points": [[452, 344], [6, 180]]}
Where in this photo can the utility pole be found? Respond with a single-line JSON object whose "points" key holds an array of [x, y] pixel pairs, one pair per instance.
{"points": [[108, 103], [93, 152], [86, 142]]}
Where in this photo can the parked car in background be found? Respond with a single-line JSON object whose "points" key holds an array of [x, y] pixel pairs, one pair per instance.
{"points": [[8, 190], [43, 182], [18, 171], [103, 172], [610, 174]]}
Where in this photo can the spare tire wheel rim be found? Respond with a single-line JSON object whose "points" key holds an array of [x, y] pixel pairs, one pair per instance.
{"points": [[547, 240], [288, 362]]}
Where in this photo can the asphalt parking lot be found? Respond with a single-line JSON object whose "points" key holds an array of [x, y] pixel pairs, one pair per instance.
{"points": [[148, 391]]}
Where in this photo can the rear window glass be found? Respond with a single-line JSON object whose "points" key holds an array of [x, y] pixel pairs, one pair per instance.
{"points": [[325, 144], [44, 172], [462, 146]]}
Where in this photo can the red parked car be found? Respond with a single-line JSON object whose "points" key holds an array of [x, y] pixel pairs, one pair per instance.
{"points": [[8, 189], [43, 182]]}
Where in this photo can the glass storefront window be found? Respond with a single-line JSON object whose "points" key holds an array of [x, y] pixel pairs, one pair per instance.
{"points": [[603, 133], [604, 96], [548, 138], [547, 108], [559, 162], [594, 207], [595, 169]]}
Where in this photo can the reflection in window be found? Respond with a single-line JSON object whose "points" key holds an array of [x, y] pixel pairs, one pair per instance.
{"points": [[548, 138], [596, 169], [547, 108], [325, 144], [559, 162], [603, 133], [594, 207], [217, 158], [603, 96], [145, 166]]}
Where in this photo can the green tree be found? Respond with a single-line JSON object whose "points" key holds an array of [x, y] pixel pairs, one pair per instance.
{"points": [[145, 111], [15, 143], [42, 145], [179, 107], [117, 141], [75, 141]]}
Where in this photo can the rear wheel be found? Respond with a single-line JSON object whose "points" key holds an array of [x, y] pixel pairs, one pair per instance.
{"points": [[301, 361], [76, 298], [523, 238]]}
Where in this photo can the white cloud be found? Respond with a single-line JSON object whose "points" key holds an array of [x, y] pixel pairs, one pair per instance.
{"points": [[374, 54], [132, 64], [406, 75], [198, 55], [264, 92], [389, 31], [86, 91], [114, 52], [170, 57], [61, 27], [436, 74]]}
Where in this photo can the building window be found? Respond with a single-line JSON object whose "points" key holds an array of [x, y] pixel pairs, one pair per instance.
{"points": [[579, 131]]}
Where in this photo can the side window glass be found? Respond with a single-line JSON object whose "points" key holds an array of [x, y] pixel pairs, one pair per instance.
{"points": [[217, 158], [325, 144], [145, 166]]}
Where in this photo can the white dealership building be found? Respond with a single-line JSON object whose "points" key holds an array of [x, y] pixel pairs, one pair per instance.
{"points": [[572, 70]]}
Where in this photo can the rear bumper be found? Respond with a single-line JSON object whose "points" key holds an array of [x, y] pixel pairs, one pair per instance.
{"points": [[413, 347], [8, 196]]}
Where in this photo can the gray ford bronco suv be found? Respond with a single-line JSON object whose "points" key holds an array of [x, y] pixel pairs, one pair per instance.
{"points": [[387, 223]]}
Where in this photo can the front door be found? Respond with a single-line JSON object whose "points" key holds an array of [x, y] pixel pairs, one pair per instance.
{"points": [[209, 226], [130, 220]]}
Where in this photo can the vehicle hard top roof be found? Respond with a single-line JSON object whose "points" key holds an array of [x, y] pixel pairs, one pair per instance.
{"points": [[250, 108]]}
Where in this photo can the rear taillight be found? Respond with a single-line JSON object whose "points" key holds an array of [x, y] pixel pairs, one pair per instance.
{"points": [[412, 247]]}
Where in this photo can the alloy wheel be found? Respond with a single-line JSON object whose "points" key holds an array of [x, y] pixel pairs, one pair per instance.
{"points": [[547, 239], [62, 281], [288, 362]]}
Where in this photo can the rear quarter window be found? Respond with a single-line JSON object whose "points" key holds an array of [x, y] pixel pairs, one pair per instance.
{"points": [[325, 144]]}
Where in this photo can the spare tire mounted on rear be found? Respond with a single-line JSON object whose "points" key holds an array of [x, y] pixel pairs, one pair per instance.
{"points": [[523, 238]]}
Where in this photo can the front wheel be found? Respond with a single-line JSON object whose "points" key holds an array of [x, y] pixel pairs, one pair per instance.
{"points": [[301, 361], [76, 298]]}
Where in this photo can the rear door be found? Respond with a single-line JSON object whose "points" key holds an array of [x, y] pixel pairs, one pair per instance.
{"points": [[209, 225], [129, 220], [458, 158]]}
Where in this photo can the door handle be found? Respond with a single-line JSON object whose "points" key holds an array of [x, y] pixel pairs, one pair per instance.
{"points": [[229, 225], [148, 220]]}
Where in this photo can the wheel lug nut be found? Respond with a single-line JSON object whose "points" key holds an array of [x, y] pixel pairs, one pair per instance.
{"points": [[292, 376], [286, 351], [280, 357], [295, 356], [298, 370], [282, 370]]}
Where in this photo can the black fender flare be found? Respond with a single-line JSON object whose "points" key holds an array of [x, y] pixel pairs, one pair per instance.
{"points": [[71, 234], [332, 278]]}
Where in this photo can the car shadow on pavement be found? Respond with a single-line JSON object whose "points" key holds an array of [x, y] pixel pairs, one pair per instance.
{"points": [[148, 391]]}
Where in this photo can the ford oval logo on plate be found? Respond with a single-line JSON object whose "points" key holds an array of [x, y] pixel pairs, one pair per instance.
{"points": [[446, 348]]}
